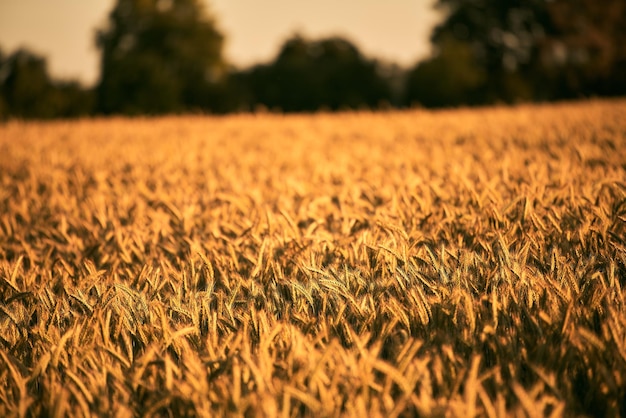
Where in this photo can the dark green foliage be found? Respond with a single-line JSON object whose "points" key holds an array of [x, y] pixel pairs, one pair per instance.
{"points": [[27, 91], [159, 57], [165, 56], [26, 83], [521, 51], [450, 79], [323, 74]]}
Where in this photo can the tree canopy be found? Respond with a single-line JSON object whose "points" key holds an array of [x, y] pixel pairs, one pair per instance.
{"points": [[524, 50], [311, 74], [28, 91], [159, 56], [165, 56]]}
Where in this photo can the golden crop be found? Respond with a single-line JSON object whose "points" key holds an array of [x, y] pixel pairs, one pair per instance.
{"points": [[458, 263]]}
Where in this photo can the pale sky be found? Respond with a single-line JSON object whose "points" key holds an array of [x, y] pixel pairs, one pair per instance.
{"points": [[63, 30]]}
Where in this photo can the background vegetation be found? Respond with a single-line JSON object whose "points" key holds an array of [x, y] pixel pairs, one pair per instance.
{"points": [[459, 263], [166, 57]]}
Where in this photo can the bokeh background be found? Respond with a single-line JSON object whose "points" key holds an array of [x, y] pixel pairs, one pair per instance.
{"points": [[74, 58]]}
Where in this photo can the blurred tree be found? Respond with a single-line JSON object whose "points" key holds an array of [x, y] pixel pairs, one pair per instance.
{"points": [[528, 49], [3, 105], [70, 99], [584, 48], [451, 78], [26, 87], [502, 37], [310, 75], [159, 56], [27, 91]]}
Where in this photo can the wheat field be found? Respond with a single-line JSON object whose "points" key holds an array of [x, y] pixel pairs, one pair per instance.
{"points": [[406, 263]]}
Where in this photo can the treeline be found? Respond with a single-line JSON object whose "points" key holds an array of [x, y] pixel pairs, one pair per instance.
{"points": [[162, 57], [28, 91]]}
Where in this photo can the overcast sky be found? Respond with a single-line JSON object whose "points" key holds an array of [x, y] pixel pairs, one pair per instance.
{"points": [[63, 30]]}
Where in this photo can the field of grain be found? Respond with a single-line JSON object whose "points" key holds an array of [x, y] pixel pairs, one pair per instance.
{"points": [[450, 263]]}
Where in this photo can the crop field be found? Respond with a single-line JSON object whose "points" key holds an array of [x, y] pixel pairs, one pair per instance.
{"points": [[406, 263]]}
